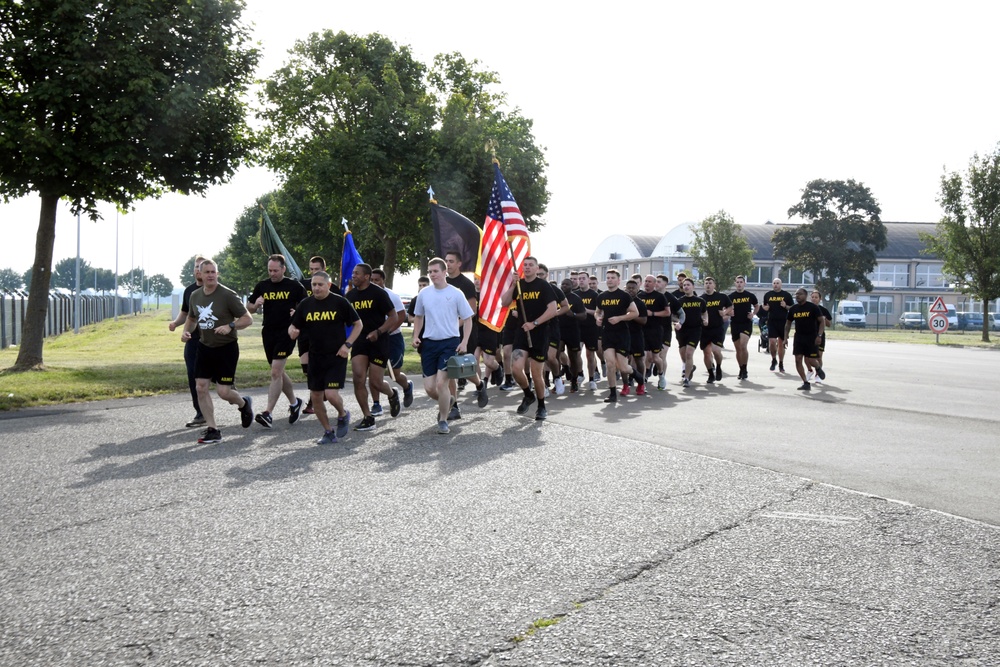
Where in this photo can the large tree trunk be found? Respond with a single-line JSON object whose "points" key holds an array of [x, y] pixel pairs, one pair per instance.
{"points": [[389, 260], [986, 321], [29, 356]]}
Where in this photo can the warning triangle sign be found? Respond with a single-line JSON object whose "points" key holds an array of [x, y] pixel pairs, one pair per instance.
{"points": [[938, 307]]}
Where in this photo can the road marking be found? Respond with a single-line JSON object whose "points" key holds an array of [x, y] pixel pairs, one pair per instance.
{"points": [[823, 518]]}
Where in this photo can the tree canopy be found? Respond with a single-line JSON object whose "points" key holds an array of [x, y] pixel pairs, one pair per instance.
{"points": [[359, 129], [839, 242], [116, 102], [10, 279], [968, 236], [720, 250]]}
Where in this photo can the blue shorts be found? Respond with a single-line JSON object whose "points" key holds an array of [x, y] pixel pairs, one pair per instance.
{"points": [[397, 347], [434, 354]]}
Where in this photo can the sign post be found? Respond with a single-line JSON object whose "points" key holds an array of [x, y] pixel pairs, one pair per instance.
{"points": [[938, 321]]}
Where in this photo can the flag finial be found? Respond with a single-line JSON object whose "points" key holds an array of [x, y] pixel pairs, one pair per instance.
{"points": [[430, 194], [343, 221]]}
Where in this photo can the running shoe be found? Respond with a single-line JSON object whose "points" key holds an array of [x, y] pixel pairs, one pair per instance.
{"points": [[821, 373], [264, 419], [774, 364], [343, 424], [626, 390], [210, 436], [804, 387], [309, 408], [197, 421], [687, 383], [455, 412], [497, 376], [560, 387], [443, 428], [711, 376], [394, 406], [662, 383], [592, 386], [525, 404], [294, 411], [612, 398], [541, 414], [329, 438], [507, 386], [781, 368], [377, 410], [482, 395], [408, 395], [462, 384], [366, 424], [246, 412], [718, 372], [640, 390]]}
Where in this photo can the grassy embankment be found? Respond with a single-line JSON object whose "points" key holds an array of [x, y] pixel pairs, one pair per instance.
{"points": [[135, 356]]}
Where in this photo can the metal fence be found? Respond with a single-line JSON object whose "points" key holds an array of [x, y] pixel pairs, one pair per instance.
{"points": [[59, 317]]}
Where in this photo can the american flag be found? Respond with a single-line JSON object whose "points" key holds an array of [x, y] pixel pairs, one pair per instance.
{"points": [[504, 234]]}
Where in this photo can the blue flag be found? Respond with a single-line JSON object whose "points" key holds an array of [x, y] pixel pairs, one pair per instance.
{"points": [[348, 260]]}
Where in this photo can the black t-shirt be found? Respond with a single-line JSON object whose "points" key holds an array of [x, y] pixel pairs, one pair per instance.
{"points": [[307, 286], [805, 318], [570, 322], [468, 288], [186, 307], [279, 300], [675, 306], [589, 299], [536, 295], [743, 304], [614, 303], [654, 302], [826, 313], [775, 312], [693, 306], [373, 306], [325, 321], [634, 327], [715, 303]]}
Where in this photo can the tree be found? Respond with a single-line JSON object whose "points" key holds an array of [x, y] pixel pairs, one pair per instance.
{"points": [[968, 236], [839, 242], [720, 250], [10, 279], [116, 102], [64, 273], [161, 286]]}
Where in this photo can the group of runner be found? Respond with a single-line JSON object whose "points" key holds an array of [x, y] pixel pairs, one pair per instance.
{"points": [[623, 333]]}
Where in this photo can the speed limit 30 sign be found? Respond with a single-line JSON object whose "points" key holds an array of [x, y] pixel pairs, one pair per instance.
{"points": [[938, 323]]}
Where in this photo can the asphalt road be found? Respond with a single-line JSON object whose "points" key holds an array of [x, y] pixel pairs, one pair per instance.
{"points": [[738, 524]]}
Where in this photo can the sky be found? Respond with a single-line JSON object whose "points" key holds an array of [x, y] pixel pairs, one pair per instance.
{"points": [[651, 115]]}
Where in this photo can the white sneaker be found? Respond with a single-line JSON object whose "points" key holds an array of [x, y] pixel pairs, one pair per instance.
{"points": [[560, 387], [592, 386], [547, 393], [662, 384]]}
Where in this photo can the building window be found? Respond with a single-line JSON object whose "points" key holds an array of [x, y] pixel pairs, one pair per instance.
{"points": [[929, 275], [761, 275], [918, 304], [797, 277], [890, 275], [873, 303]]}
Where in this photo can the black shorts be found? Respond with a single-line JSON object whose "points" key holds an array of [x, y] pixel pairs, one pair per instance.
{"points": [[736, 330], [277, 344], [539, 347], [712, 336], [327, 372], [668, 333], [303, 343], [589, 334], [377, 351], [638, 348], [473, 335], [218, 364], [776, 329], [619, 341], [510, 329], [689, 337], [488, 339], [822, 342], [805, 346], [652, 339], [570, 334], [555, 334]]}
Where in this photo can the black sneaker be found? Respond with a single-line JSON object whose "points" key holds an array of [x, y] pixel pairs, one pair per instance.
{"points": [[482, 395], [408, 395], [541, 414], [294, 411], [377, 409], [454, 413], [774, 364], [366, 424], [462, 384], [264, 419], [821, 373], [246, 412], [197, 421], [805, 387], [497, 377], [394, 406], [525, 404], [718, 373], [343, 424], [711, 376], [507, 386], [210, 436], [781, 368], [612, 398]]}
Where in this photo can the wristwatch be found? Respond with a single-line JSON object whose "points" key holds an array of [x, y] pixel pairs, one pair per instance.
{"points": [[535, 323], [348, 345]]}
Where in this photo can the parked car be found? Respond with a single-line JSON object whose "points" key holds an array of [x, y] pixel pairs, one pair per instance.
{"points": [[912, 321], [970, 321], [994, 322]]}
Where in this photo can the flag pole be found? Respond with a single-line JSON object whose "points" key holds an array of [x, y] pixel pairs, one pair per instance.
{"points": [[517, 277]]}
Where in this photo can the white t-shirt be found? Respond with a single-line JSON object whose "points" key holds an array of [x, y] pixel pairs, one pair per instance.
{"points": [[442, 309], [397, 305]]}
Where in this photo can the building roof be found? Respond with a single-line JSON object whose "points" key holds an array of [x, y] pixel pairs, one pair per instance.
{"points": [[904, 240]]}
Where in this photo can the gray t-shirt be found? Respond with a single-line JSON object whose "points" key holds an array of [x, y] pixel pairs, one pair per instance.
{"points": [[442, 310]]}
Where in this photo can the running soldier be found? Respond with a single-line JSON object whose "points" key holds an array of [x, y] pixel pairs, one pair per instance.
{"points": [[397, 347], [569, 329], [456, 278], [589, 331], [614, 311], [316, 264], [191, 346], [694, 319], [776, 304], [637, 336], [277, 298], [218, 313], [713, 336], [817, 298], [657, 310], [745, 307], [326, 316], [809, 328]]}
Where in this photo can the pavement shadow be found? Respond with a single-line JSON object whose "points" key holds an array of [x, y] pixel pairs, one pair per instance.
{"points": [[289, 465]]}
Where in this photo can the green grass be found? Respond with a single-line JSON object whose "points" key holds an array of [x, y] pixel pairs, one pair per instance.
{"points": [[892, 335], [135, 356]]}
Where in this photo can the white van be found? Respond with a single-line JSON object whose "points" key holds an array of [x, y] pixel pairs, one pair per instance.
{"points": [[952, 316], [851, 314]]}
